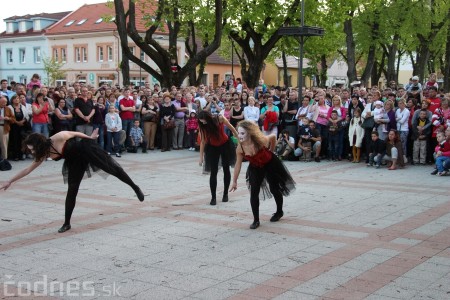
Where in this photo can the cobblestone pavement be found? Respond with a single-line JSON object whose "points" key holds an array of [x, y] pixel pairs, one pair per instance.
{"points": [[349, 232]]}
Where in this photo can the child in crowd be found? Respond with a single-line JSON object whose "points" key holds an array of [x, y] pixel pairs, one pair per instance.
{"points": [[137, 138], [113, 124], [192, 129], [378, 114], [356, 134], [377, 150], [334, 139], [441, 154], [421, 130]]}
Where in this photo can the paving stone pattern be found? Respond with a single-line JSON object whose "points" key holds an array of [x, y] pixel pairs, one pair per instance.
{"points": [[349, 232]]}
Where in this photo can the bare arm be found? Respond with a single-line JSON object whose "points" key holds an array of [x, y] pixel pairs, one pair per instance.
{"points": [[237, 168], [272, 142], [202, 149], [224, 120], [21, 174]]}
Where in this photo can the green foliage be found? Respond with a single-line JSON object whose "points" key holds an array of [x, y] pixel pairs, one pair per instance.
{"points": [[53, 70]]}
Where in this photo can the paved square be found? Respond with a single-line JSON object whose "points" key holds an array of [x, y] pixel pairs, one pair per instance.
{"points": [[349, 232]]}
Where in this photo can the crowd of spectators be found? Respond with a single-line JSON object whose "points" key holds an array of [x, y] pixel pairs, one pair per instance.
{"points": [[397, 125]]}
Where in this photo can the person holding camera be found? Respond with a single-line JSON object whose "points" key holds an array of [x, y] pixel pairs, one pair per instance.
{"points": [[309, 140], [285, 145]]}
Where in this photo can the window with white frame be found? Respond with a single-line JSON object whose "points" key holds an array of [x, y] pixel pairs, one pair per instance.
{"points": [[22, 55], [10, 78], [84, 54], [61, 82], [105, 79], [137, 82], [142, 55], [110, 53], [55, 54], [23, 79], [63, 55], [78, 54], [37, 55], [9, 56], [131, 50], [100, 53]]}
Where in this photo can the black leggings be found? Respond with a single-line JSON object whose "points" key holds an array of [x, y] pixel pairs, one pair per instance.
{"points": [[256, 178], [76, 172], [213, 175]]}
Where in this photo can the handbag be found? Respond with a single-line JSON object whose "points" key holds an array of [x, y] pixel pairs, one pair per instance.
{"points": [[368, 123], [148, 117], [169, 124]]}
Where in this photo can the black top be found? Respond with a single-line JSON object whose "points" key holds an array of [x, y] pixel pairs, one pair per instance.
{"points": [[85, 108], [167, 111]]}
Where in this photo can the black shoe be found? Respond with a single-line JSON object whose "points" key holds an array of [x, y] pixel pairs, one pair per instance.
{"points": [[139, 193], [213, 202], [435, 171], [64, 228], [276, 217], [254, 225], [225, 198], [317, 159]]}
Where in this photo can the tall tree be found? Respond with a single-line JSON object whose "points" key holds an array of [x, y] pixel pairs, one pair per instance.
{"points": [[253, 25], [177, 19]]}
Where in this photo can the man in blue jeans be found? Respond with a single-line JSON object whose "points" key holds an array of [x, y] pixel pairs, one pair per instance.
{"points": [[127, 109]]}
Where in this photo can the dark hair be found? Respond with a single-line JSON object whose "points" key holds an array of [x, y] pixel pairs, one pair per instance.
{"points": [[284, 131], [210, 129], [37, 96], [41, 146], [376, 133]]}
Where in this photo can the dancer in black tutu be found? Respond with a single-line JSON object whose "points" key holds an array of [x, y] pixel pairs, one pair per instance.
{"points": [[264, 168], [81, 154], [217, 149]]}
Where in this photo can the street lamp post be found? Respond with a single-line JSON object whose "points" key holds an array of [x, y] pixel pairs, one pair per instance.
{"points": [[301, 32]]}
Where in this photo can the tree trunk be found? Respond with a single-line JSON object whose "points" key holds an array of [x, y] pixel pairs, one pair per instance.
{"points": [[350, 43], [369, 65], [285, 71], [322, 80], [447, 61], [125, 67], [391, 73]]}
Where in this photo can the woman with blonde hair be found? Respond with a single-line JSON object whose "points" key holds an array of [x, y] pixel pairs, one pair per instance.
{"points": [[264, 169]]}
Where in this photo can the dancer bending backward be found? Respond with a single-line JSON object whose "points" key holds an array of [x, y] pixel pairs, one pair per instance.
{"points": [[264, 168], [216, 149], [81, 154]]}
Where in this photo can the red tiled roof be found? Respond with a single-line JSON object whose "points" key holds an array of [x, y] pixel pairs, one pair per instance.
{"points": [[93, 13], [31, 32], [55, 16]]}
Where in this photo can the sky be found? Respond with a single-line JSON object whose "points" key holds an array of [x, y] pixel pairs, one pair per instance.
{"points": [[24, 7]]}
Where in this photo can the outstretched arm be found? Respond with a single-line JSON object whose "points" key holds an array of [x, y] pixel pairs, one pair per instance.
{"points": [[237, 168], [272, 142], [21, 174], [71, 134], [225, 121]]}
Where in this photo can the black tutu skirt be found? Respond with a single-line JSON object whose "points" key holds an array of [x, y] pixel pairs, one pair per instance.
{"points": [[86, 155], [275, 175], [225, 154]]}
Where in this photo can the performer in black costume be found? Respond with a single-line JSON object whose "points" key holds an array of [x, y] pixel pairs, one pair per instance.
{"points": [[264, 168], [81, 154], [216, 149]]}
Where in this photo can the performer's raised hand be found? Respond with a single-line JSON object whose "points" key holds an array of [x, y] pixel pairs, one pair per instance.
{"points": [[95, 134]]}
